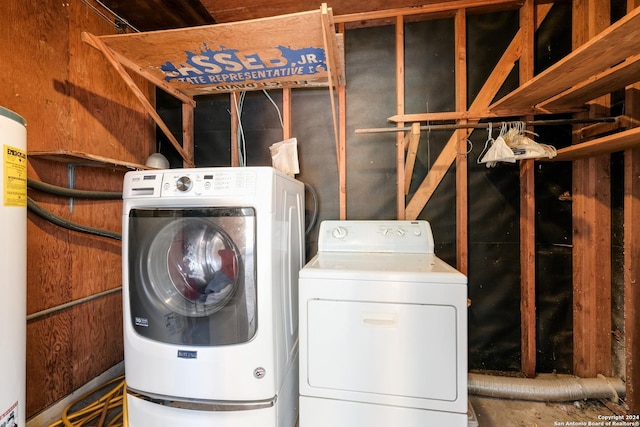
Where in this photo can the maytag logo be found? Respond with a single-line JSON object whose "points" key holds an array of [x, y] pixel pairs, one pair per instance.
{"points": [[142, 321], [187, 354]]}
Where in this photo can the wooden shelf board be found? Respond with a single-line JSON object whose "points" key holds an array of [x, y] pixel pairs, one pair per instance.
{"points": [[608, 144], [607, 49], [267, 53], [84, 159], [606, 82]]}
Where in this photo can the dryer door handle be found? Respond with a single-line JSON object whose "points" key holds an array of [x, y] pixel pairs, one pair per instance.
{"points": [[385, 320]]}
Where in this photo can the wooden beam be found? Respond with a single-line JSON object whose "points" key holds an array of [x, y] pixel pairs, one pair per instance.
{"points": [[527, 211], [426, 9], [632, 277], [402, 174], [410, 143], [591, 222], [631, 240], [461, 136], [286, 114], [187, 134], [607, 144], [139, 95], [434, 117], [235, 121], [342, 141]]}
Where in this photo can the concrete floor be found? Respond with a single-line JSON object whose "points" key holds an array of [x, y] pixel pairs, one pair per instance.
{"points": [[492, 412]]}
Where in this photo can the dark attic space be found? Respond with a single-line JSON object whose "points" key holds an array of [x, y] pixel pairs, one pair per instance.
{"points": [[297, 214]]}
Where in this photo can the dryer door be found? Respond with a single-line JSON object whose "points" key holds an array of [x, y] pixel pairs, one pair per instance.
{"points": [[192, 275]]}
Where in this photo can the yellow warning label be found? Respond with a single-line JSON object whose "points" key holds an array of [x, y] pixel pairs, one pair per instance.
{"points": [[15, 176]]}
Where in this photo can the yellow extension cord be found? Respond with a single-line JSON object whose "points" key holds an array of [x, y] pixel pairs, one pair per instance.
{"points": [[96, 414]]}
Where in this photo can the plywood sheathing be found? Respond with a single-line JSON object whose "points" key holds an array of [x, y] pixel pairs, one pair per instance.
{"points": [[245, 55], [150, 109], [296, 50]]}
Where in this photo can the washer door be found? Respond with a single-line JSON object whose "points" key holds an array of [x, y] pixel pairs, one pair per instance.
{"points": [[192, 278], [193, 267]]}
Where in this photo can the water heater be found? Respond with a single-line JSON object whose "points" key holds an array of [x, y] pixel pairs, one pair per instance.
{"points": [[13, 265]]}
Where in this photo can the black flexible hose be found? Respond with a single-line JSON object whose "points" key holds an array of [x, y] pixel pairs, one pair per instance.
{"points": [[69, 225], [314, 216], [70, 192]]}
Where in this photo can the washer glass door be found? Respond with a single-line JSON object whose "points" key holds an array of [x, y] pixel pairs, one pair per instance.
{"points": [[192, 275]]}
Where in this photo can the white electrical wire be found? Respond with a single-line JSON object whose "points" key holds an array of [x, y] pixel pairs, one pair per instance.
{"points": [[242, 152], [117, 17], [275, 105]]}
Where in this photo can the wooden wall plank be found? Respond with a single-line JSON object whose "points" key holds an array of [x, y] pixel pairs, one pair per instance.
{"points": [[72, 100], [591, 231], [632, 252], [632, 277]]}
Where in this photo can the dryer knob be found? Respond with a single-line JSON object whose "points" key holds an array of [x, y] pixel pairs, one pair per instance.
{"points": [[339, 232], [184, 183]]}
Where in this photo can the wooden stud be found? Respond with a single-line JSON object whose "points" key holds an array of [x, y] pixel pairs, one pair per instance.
{"points": [[632, 252], [632, 277], [410, 143], [461, 136], [527, 212], [402, 174], [187, 133], [342, 141], [286, 114], [235, 121]]}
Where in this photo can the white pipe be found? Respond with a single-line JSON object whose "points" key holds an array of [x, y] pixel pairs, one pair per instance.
{"points": [[551, 389]]}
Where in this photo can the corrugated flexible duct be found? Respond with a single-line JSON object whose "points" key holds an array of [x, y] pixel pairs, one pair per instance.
{"points": [[552, 389]]}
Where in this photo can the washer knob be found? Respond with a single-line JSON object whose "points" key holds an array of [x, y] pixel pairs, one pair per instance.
{"points": [[184, 184]]}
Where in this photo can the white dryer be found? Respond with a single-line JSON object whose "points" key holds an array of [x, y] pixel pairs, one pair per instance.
{"points": [[211, 258], [383, 329]]}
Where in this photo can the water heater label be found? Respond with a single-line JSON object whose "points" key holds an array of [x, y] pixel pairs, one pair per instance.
{"points": [[15, 176], [10, 416]]}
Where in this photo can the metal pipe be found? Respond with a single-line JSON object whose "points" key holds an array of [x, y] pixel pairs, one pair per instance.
{"points": [[70, 304], [552, 389], [496, 125]]}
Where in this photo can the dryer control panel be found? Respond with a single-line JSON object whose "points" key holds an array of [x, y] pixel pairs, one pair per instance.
{"points": [[376, 236]]}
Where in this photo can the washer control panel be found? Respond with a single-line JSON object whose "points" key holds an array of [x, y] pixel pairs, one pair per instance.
{"points": [[191, 182], [376, 236]]}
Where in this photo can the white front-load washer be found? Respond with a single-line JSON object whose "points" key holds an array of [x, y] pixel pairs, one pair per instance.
{"points": [[383, 329], [211, 258]]}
